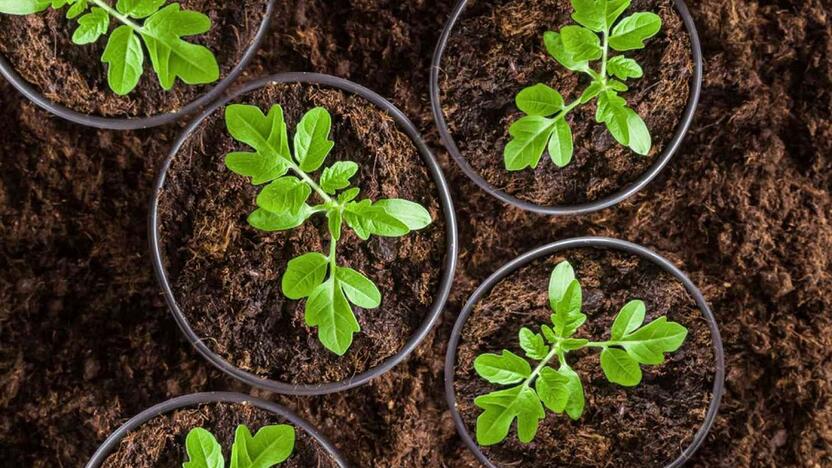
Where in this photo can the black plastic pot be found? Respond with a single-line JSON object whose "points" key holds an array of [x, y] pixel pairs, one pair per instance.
{"points": [[575, 243], [195, 399], [450, 253], [10, 74], [583, 208]]}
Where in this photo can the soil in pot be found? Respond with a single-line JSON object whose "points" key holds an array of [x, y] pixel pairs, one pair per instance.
{"points": [[40, 48], [160, 442], [496, 49], [646, 425], [226, 275]]}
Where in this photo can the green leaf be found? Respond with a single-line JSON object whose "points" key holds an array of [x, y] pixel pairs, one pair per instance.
{"points": [[530, 134], [548, 333], [616, 85], [125, 59], [203, 450], [575, 404], [411, 214], [139, 8], [581, 43], [562, 276], [285, 195], [337, 176], [501, 408], [303, 274], [76, 9], [271, 222], [633, 30], [593, 90], [539, 100], [620, 368], [640, 140], [266, 134], [533, 344], [23, 7], [334, 222], [91, 26], [367, 219], [271, 445], [348, 195], [590, 13], [260, 167], [568, 317], [553, 389], [561, 145], [648, 344], [614, 10], [624, 68], [612, 110], [171, 56], [628, 319], [327, 308], [359, 289], [505, 368], [312, 143], [554, 45], [571, 344]]}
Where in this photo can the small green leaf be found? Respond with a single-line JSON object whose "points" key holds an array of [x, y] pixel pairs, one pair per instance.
{"points": [[616, 85], [592, 91], [367, 219], [640, 140], [568, 317], [125, 59], [271, 222], [612, 110], [554, 45], [648, 344], [359, 289], [266, 134], [139, 8], [539, 100], [348, 195], [271, 446], [501, 408], [561, 144], [285, 195], [624, 68], [76, 9], [261, 168], [562, 276], [533, 344], [303, 274], [337, 176], [628, 319], [334, 222], [327, 308], [203, 450], [411, 214], [620, 368], [614, 10], [571, 344], [575, 404], [581, 43], [91, 26], [548, 333], [505, 368], [590, 13], [312, 143], [633, 30], [23, 7], [553, 389], [530, 135]]}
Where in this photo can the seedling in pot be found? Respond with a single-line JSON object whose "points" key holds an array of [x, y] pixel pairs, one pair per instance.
{"points": [[271, 446], [544, 126], [160, 29], [560, 390], [284, 204]]}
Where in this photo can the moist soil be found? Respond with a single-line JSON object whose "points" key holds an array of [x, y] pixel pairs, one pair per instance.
{"points": [[160, 442], [496, 49], [226, 274], [647, 425], [86, 340], [40, 48]]}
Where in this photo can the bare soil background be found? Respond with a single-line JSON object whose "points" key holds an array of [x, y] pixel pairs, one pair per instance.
{"points": [[745, 209]]}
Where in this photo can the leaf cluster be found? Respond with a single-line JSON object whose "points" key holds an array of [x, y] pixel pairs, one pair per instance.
{"points": [[271, 446], [544, 127], [285, 202], [161, 29], [560, 390]]}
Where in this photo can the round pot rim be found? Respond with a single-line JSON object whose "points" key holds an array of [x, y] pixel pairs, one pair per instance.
{"points": [[126, 123], [575, 243], [194, 399], [581, 208], [448, 266]]}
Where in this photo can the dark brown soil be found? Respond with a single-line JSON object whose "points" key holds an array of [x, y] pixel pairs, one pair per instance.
{"points": [[86, 340], [496, 49], [40, 48], [647, 425], [160, 442], [226, 274]]}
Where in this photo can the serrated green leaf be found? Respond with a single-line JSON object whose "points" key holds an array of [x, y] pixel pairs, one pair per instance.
{"points": [[271, 446], [554, 45], [539, 99], [337, 176], [411, 214], [367, 219], [576, 402], [285, 195], [581, 43], [562, 276], [568, 317], [590, 13], [91, 26], [624, 68], [261, 168], [271, 222], [633, 30], [548, 333], [640, 139], [139, 8], [203, 450], [530, 135], [629, 318], [23, 7], [501, 408], [265, 133], [312, 143], [76, 9], [553, 389], [303, 274], [359, 289], [561, 145], [327, 308], [620, 368], [533, 344], [348, 195], [505, 368], [125, 59], [648, 344]]}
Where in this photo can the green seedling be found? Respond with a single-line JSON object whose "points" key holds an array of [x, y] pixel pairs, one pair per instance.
{"points": [[560, 390], [271, 446], [284, 204], [161, 30], [544, 127]]}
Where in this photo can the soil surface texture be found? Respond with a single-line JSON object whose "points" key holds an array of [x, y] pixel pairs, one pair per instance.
{"points": [[40, 48], [496, 49], [646, 425], [226, 274], [160, 442], [86, 340]]}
